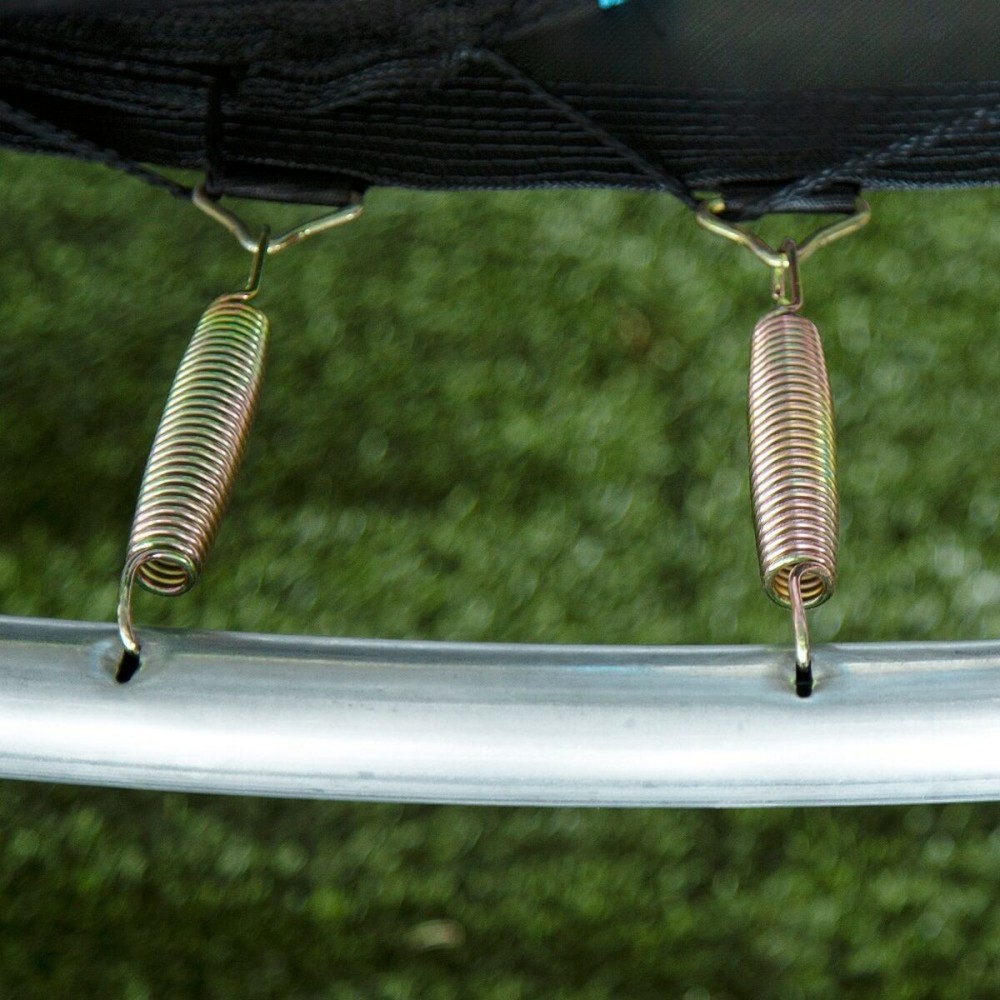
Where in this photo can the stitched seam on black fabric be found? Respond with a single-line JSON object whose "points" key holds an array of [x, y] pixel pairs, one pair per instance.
{"points": [[902, 149], [109, 103], [381, 80], [630, 155], [76, 144], [145, 69]]}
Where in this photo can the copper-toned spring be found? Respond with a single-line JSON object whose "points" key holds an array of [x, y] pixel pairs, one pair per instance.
{"points": [[793, 480], [196, 453]]}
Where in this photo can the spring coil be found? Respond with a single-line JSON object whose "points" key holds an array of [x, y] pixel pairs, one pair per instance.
{"points": [[792, 458], [198, 447]]}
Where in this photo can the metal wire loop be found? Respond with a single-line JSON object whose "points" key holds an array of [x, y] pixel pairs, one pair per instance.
{"points": [[225, 217], [709, 216]]}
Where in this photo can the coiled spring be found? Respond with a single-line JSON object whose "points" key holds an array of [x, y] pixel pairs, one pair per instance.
{"points": [[793, 481], [196, 452], [200, 440], [793, 476]]}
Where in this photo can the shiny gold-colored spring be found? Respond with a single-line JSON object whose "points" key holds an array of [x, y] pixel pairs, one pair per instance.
{"points": [[200, 440], [793, 477], [793, 480], [196, 452]]}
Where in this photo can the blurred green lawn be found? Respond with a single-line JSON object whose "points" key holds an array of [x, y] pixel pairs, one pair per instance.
{"points": [[509, 416]]}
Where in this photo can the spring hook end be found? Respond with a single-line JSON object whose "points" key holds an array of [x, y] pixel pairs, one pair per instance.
{"points": [[800, 628], [256, 266], [786, 288], [126, 630]]}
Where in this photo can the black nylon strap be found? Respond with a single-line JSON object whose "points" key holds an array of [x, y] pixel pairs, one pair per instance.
{"points": [[746, 202]]}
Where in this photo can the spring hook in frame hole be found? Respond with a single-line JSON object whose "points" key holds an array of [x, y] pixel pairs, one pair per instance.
{"points": [[792, 446], [202, 435]]}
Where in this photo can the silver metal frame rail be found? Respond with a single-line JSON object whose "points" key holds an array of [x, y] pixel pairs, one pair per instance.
{"points": [[499, 724]]}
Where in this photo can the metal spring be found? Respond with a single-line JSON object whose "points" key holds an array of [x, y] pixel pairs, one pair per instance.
{"points": [[792, 459], [196, 452]]}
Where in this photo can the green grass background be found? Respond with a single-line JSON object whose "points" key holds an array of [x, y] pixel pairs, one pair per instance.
{"points": [[508, 416]]}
